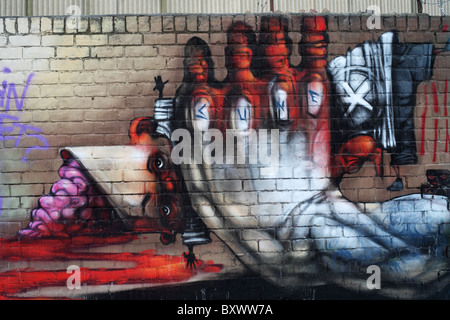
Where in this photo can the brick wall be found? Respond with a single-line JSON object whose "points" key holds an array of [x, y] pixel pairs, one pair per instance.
{"points": [[87, 85]]}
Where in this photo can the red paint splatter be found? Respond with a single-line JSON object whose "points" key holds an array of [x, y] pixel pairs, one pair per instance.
{"points": [[148, 267]]}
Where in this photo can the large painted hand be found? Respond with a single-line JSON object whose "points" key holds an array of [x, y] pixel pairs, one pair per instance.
{"points": [[251, 193]]}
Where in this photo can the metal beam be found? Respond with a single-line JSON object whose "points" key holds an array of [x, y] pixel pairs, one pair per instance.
{"points": [[29, 8], [163, 4]]}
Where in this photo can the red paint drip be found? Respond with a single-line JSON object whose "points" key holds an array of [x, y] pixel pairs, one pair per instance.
{"points": [[147, 266], [446, 99], [436, 121], [435, 97], [447, 134], [424, 118]]}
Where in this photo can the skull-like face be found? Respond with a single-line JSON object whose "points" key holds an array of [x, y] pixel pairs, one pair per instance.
{"points": [[140, 182]]}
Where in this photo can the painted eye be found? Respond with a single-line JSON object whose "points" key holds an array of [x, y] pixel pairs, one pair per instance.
{"points": [[165, 211], [159, 163]]}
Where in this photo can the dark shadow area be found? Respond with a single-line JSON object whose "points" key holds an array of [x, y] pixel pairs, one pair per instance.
{"points": [[247, 289]]}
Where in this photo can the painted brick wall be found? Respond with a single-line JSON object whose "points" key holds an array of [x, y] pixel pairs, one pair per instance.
{"points": [[79, 88]]}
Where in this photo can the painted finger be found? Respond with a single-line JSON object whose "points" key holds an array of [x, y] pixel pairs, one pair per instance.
{"points": [[201, 111], [76, 176], [86, 214], [243, 89], [41, 215], [69, 213], [66, 187]]}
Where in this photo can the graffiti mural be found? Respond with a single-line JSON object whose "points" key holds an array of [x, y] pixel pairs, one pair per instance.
{"points": [[377, 87], [11, 126], [256, 160], [313, 227]]}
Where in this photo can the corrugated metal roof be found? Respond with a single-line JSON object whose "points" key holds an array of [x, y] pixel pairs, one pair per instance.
{"points": [[108, 7]]}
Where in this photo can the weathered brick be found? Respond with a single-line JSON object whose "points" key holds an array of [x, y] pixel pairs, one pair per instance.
{"points": [[192, 23], [401, 23], [11, 53], [141, 51], [46, 24], [16, 64], [23, 25], [57, 40], [435, 24], [132, 24], [125, 39], [95, 25], [107, 24], [59, 25], [27, 190], [215, 23], [144, 24], [203, 23], [25, 41], [180, 23], [46, 78], [35, 25], [159, 38], [156, 24], [91, 91], [106, 52], [424, 22], [111, 77], [413, 23], [119, 24], [168, 24], [66, 64], [344, 23], [41, 64], [10, 25], [91, 40], [49, 91], [72, 52]]}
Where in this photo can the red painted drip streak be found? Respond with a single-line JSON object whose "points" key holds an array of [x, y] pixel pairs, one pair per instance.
{"points": [[447, 134], [424, 118], [435, 98], [436, 121], [149, 267], [447, 138]]}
